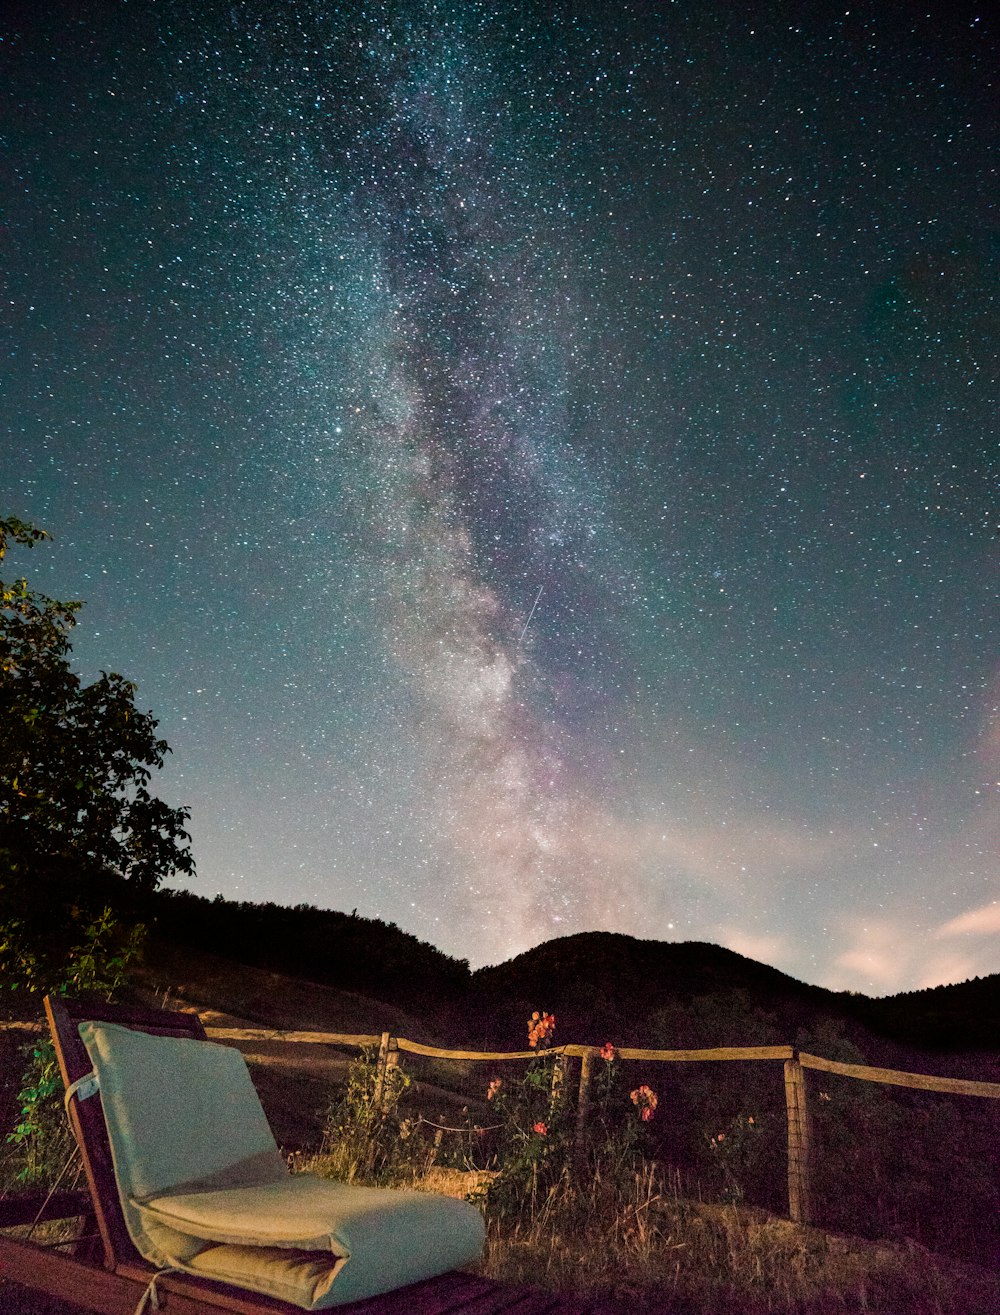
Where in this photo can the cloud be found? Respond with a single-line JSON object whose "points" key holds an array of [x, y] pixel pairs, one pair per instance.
{"points": [[885, 956], [983, 921], [878, 958], [942, 969], [765, 949], [744, 851]]}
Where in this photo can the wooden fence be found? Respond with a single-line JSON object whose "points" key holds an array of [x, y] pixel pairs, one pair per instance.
{"points": [[795, 1063]]}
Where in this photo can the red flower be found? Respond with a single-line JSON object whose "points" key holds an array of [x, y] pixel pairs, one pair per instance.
{"points": [[494, 1088], [608, 1053], [541, 1129], [645, 1100]]}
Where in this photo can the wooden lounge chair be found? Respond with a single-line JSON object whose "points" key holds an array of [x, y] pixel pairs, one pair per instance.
{"points": [[104, 1271]]}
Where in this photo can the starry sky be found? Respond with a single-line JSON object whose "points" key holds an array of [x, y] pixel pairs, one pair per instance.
{"points": [[538, 461]]}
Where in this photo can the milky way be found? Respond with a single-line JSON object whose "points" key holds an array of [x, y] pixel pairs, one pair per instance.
{"points": [[538, 461]]}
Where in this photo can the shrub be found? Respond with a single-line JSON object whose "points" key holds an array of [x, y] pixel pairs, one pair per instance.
{"points": [[41, 1136], [365, 1136]]}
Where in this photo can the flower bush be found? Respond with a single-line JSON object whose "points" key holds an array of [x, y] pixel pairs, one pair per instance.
{"points": [[734, 1151], [365, 1136], [538, 1150], [535, 1133], [534, 1152]]}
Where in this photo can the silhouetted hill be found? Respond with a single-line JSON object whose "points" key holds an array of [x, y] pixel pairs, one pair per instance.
{"points": [[601, 986], [960, 1016], [183, 975], [320, 945], [607, 986], [604, 986]]}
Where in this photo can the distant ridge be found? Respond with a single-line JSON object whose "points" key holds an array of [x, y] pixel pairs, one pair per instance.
{"points": [[602, 985], [677, 994], [337, 949], [958, 1016]]}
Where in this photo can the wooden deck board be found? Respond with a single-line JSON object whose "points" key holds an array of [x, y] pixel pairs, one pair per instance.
{"points": [[86, 1286]]}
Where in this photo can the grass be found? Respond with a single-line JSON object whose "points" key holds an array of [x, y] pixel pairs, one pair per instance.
{"points": [[643, 1246], [635, 1242]]}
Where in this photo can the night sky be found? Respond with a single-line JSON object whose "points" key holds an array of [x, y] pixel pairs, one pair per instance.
{"points": [[538, 461]]}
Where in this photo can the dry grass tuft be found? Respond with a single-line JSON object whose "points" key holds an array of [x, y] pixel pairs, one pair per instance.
{"points": [[633, 1240], [647, 1247]]}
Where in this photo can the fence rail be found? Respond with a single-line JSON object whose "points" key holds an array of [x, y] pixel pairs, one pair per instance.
{"points": [[795, 1064], [892, 1077]]}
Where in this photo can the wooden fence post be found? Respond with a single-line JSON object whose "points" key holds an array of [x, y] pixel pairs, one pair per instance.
{"points": [[582, 1107], [799, 1196], [381, 1065], [558, 1088], [392, 1059]]}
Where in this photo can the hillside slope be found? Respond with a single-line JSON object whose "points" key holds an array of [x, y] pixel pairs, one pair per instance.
{"points": [[608, 986], [342, 950], [602, 985], [263, 998]]}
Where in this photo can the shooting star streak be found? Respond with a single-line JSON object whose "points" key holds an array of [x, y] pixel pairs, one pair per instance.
{"points": [[531, 613]]}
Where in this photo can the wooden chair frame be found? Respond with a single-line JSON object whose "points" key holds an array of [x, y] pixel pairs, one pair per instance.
{"points": [[105, 1273]]}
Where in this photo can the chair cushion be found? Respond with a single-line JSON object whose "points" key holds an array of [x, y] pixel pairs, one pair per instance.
{"points": [[204, 1188], [371, 1239], [178, 1110]]}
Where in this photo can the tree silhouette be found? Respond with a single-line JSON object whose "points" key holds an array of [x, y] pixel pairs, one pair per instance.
{"points": [[79, 830]]}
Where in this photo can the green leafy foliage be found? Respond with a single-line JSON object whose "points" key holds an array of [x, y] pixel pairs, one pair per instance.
{"points": [[534, 1146], [82, 839], [79, 828], [97, 965], [734, 1153], [365, 1136]]}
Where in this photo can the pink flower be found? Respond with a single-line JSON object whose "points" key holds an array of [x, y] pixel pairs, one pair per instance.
{"points": [[608, 1053], [541, 1129], [645, 1100]]}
